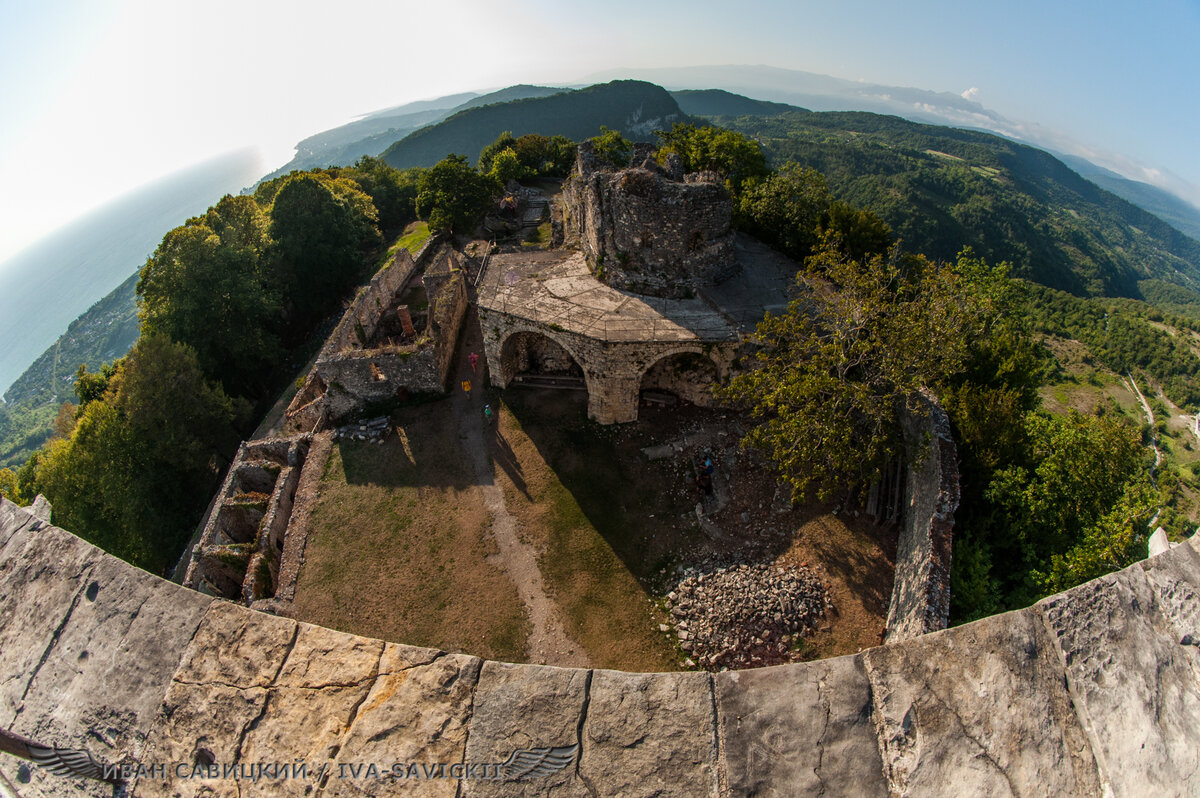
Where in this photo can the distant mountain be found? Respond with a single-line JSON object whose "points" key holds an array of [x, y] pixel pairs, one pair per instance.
{"points": [[46, 286], [716, 102], [375, 132], [104, 332], [942, 188], [825, 93], [1180, 214], [634, 107], [816, 92]]}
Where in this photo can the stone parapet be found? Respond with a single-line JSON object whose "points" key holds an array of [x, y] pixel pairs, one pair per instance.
{"points": [[921, 590], [1095, 691]]}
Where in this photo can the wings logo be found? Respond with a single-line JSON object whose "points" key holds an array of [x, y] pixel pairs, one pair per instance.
{"points": [[529, 763]]}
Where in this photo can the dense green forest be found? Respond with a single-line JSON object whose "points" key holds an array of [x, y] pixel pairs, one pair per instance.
{"points": [[633, 107], [941, 189]]}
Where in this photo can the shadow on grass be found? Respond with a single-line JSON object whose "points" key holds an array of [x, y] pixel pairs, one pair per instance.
{"points": [[503, 456], [422, 449], [617, 491]]}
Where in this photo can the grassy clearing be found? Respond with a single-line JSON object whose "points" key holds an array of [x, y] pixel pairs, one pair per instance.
{"points": [[412, 239], [399, 546], [592, 523]]}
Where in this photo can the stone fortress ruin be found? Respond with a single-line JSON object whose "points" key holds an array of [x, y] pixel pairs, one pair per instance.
{"points": [[1093, 691]]}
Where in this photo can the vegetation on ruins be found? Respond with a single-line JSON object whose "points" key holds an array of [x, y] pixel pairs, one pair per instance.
{"points": [[733, 155], [612, 148]]}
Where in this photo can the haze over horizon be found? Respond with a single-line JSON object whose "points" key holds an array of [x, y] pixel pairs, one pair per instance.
{"points": [[103, 98]]}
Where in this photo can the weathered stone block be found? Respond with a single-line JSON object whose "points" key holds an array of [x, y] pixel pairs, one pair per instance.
{"points": [[1135, 685], [983, 707], [800, 729], [415, 715], [524, 707], [650, 735]]}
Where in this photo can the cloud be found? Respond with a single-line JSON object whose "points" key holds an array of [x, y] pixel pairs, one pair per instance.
{"points": [[971, 94]]}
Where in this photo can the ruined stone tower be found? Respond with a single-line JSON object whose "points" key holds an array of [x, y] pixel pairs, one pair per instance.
{"points": [[649, 229]]}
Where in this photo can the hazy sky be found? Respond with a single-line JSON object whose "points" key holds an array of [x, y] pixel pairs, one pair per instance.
{"points": [[100, 96]]}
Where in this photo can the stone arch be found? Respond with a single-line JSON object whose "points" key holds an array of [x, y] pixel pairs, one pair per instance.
{"points": [[686, 373], [533, 351]]}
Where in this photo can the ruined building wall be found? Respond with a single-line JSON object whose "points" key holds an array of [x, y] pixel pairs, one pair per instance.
{"points": [[242, 541], [643, 230], [352, 371], [921, 590]]}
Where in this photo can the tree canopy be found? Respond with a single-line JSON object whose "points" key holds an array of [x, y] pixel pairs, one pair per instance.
{"points": [[851, 353], [205, 287], [453, 196], [137, 467]]}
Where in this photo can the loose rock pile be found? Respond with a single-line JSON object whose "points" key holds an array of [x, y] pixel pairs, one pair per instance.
{"points": [[745, 615], [374, 430]]}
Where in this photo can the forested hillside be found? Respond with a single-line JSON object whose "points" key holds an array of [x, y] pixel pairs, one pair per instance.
{"points": [[375, 132], [102, 334], [941, 189], [633, 107]]}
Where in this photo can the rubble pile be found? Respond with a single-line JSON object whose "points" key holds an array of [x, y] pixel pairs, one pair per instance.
{"points": [[745, 615], [372, 431]]}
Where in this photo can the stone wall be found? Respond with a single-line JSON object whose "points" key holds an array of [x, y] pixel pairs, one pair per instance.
{"points": [[1093, 691], [921, 590], [241, 545], [644, 229], [353, 370]]}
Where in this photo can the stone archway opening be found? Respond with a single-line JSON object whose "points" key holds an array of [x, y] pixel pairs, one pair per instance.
{"points": [[682, 376], [534, 359]]}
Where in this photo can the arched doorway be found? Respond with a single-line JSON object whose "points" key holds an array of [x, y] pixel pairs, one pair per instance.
{"points": [[686, 376], [535, 359]]}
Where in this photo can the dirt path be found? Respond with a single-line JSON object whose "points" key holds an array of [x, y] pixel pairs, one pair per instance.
{"points": [[1150, 420], [549, 643]]}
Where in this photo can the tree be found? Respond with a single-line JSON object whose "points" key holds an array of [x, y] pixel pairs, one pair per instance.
{"points": [[321, 229], [784, 209], [137, 467], [857, 232], [392, 191], [504, 141], [505, 167], [1077, 505], [833, 374], [612, 148], [542, 156], [8, 485], [735, 156], [204, 286], [89, 387], [453, 196]]}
